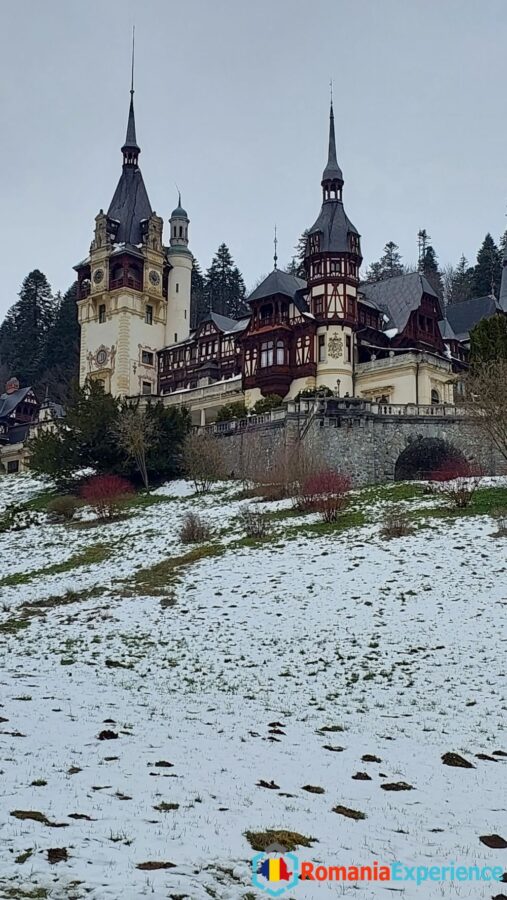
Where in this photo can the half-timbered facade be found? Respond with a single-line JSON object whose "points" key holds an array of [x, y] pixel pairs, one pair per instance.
{"points": [[212, 353]]}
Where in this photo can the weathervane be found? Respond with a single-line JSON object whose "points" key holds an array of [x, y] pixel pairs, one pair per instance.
{"points": [[275, 257]]}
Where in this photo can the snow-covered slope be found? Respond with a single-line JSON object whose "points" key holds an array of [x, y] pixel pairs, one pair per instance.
{"points": [[286, 662]]}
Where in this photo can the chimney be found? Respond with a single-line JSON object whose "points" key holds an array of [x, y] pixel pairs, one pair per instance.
{"points": [[12, 386]]}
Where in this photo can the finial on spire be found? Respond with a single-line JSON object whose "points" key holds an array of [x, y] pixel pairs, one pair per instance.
{"points": [[130, 148], [275, 257], [133, 55], [331, 92]]}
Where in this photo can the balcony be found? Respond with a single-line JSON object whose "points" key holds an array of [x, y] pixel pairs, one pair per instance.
{"points": [[126, 281]]}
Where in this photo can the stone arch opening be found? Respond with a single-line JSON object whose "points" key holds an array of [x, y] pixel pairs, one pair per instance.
{"points": [[424, 456]]}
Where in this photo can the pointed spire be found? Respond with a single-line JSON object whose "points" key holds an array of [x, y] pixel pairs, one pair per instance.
{"points": [[131, 149], [332, 172], [275, 257]]}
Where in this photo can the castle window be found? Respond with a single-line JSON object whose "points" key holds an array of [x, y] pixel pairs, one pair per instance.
{"points": [[146, 387], [147, 358], [12, 466], [266, 354], [317, 268], [335, 266], [175, 338], [322, 347], [102, 313], [177, 288], [181, 230], [435, 397], [280, 353], [348, 348], [318, 306], [148, 315]]}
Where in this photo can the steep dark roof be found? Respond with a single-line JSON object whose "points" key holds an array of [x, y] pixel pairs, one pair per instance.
{"points": [[9, 402], [277, 282], [130, 205], [226, 324], [335, 227], [332, 172], [398, 297], [130, 139], [463, 316]]}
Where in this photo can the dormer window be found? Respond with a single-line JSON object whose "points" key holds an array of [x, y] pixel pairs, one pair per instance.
{"points": [[314, 243]]}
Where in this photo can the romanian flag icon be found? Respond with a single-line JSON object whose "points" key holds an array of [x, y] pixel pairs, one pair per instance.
{"points": [[275, 870]]}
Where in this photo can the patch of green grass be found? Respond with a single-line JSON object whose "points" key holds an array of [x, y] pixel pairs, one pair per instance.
{"points": [[395, 492], [97, 553], [17, 893], [291, 840], [12, 626], [351, 518], [158, 580]]}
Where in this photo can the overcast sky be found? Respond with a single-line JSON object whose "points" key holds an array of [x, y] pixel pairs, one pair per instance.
{"points": [[232, 105]]}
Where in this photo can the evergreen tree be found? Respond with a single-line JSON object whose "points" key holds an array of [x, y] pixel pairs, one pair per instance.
{"points": [[428, 267], [198, 298], [61, 352], [488, 340], [25, 328], [297, 264], [225, 288], [488, 270], [458, 282], [388, 266]]}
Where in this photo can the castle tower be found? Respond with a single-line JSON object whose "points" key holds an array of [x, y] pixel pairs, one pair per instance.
{"points": [[332, 261], [179, 258], [133, 293]]}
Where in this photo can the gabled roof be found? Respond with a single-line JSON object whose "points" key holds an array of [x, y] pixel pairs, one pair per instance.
{"points": [[446, 330], [130, 205], [9, 402], [465, 315], [398, 297], [224, 324], [277, 282]]}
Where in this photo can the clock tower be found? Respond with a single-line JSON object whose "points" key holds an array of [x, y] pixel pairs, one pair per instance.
{"points": [[133, 293]]}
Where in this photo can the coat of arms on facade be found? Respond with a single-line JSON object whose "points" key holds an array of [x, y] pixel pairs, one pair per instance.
{"points": [[335, 346]]}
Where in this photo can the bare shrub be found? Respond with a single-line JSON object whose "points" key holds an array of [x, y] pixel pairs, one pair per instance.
{"points": [[282, 476], [194, 529], [253, 523], [457, 481], [396, 523], [486, 401], [64, 507], [105, 494], [202, 460], [324, 492]]}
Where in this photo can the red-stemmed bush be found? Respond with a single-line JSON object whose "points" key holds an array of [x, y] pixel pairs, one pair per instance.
{"points": [[324, 492], [105, 493], [458, 481]]}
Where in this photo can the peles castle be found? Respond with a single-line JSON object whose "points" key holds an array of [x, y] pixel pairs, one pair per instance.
{"points": [[385, 342]]}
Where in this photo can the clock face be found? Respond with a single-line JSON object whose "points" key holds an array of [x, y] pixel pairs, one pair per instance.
{"points": [[98, 275], [101, 357], [154, 277]]}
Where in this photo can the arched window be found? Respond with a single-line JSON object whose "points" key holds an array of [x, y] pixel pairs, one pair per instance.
{"points": [[280, 353], [435, 397]]}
